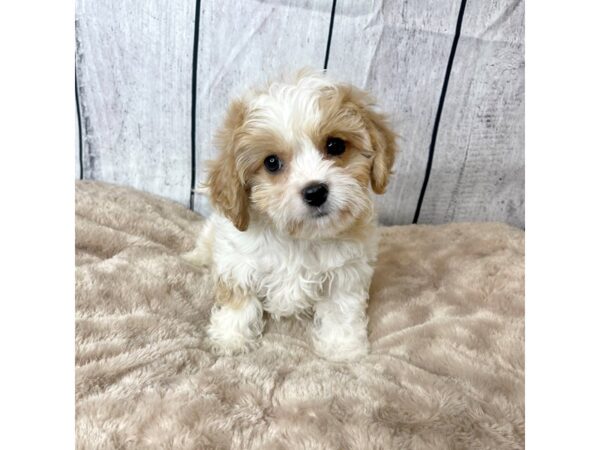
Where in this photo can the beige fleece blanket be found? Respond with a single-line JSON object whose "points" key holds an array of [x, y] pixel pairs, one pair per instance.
{"points": [[445, 323]]}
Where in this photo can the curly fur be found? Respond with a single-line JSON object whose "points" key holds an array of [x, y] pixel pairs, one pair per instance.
{"points": [[270, 251]]}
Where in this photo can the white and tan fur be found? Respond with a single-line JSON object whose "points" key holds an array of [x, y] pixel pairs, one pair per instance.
{"points": [[272, 252]]}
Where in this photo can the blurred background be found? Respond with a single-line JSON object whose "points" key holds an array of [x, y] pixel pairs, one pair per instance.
{"points": [[154, 77]]}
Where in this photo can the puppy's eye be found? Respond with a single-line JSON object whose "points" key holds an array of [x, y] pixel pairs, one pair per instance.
{"points": [[272, 163], [335, 146]]}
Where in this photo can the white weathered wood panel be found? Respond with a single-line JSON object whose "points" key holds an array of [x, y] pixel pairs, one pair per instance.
{"points": [[478, 166], [134, 67], [249, 42], [398, 51]]}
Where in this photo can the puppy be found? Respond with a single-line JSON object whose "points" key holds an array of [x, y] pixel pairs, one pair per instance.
{"points": [[294, 229]]}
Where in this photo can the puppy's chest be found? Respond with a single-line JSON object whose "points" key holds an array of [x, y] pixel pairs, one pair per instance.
{"points": [[289, 279]]}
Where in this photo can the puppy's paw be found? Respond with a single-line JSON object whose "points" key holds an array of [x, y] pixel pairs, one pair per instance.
{"points": [[341, 348], [235, 330], [228, 345]]}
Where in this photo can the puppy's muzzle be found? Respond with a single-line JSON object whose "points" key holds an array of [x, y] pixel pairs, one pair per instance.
{"points": [[315, 194]]}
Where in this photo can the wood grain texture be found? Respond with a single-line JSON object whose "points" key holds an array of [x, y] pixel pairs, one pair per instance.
{"points": [[244, 43], [134, 72], [478, 167], [398, 51]]}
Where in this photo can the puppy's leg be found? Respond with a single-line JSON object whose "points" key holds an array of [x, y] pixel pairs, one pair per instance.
{"points": [[236, 320], [340, 322]]}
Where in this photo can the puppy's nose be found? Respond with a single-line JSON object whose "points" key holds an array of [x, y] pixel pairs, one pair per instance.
{"points": [[315, 194]]}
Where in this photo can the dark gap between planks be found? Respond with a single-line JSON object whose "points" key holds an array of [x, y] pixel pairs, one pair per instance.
{"points": [[329, 35], [440, 108], [194, 99], [79, 127]]}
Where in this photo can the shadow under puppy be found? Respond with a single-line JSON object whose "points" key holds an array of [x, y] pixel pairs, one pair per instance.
{"points": [[294, 228]]}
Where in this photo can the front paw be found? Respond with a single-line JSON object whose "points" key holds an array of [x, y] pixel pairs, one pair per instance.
{"points": [[228, 344], [340, 347], [235, 330]]}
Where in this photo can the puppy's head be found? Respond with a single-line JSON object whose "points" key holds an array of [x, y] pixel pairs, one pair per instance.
{"points": [[302, 155]]}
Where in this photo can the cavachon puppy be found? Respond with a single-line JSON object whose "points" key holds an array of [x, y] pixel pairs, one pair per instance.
{"points": [[294, 229]]}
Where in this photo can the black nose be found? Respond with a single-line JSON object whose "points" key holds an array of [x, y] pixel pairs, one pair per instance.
{"points": [[315, 194]]}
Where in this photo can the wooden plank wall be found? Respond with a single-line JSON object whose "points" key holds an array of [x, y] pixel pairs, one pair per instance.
{"points": [[478, 165], [133, 67], [451, 65]]}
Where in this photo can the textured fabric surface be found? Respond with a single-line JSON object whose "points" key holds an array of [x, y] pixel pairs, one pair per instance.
{"points": [[446, 369]]}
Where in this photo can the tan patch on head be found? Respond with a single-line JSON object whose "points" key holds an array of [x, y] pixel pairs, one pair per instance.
{"points": [[239, 166], [255, 144], [348, 114], [266, 187]]}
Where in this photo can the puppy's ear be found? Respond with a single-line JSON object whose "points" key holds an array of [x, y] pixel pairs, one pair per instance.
{"points": [[383, 139], [225, 181]]}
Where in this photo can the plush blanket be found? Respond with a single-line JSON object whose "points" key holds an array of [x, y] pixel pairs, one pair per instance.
{"points": [[445, 323]]}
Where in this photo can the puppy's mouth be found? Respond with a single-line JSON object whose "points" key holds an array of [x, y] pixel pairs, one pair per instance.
{"points": [[319, 212]]}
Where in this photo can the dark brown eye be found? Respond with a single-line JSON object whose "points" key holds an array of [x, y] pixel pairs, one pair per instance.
{"points": [[272, 163], [335, 146]]}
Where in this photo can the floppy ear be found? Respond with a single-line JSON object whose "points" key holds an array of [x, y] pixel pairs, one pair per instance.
{"points": [[383, 139], [227, 189]]}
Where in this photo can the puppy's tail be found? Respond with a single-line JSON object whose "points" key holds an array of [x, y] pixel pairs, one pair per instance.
{"points": [[201, 255]]}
